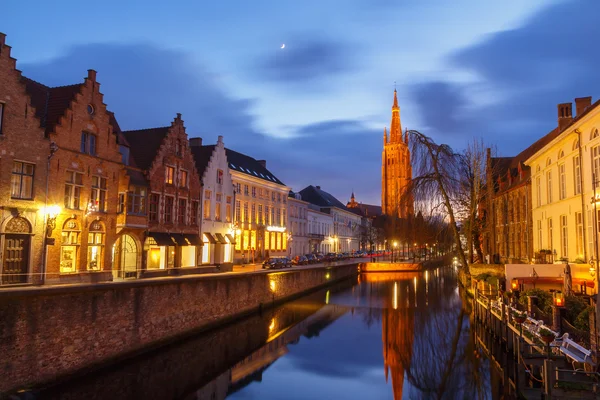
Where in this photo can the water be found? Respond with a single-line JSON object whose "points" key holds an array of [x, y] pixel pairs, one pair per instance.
{"points": [[379, 336]]}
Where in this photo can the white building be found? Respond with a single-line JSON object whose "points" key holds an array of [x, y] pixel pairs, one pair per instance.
{"points": [[297, 225], [320, 230], [216, 227], [260, 209], [346, 224]]}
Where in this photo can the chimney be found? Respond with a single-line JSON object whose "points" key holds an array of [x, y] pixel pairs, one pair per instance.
{"points": [[318, 187], [565, 115], [195, 142], [2, 39], [92, 75], [220, 139], [263, 163], [581, 103]]}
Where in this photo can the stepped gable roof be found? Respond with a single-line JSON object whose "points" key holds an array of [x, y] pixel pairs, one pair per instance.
{"points": [[145, 144], [50, 102], [202, 156], [321, 198], [247, 165]]}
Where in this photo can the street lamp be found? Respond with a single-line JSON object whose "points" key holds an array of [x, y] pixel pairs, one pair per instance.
{"points": [[51, 213], [395, 246]]}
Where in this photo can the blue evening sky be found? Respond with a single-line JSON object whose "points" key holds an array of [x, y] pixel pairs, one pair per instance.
{"points": [[317, 108]]}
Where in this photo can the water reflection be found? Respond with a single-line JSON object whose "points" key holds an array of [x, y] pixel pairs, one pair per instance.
{"points": [[381, 336]]}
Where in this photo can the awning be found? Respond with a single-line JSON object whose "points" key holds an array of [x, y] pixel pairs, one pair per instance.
{"points": [[161, 238], [194, 240], [231, 239], [179, 239], [210, 238], [220, 238]]}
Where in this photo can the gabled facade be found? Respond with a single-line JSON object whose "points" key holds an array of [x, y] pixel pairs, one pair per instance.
{"points": [[216, 228], [260, 213], [24, 153], [299, 237], [320, 230], [83, 177], [565, 173], [170, 245], [346, 224]]}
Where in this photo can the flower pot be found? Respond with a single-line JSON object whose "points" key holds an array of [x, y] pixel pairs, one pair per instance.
{"points": [[520, 319], [548, 338]]}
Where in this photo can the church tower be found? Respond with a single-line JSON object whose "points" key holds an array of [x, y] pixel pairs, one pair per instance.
{"points": [[396, 170]]}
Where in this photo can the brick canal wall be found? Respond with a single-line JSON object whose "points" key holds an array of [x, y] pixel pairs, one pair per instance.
{"points": [[49, 332]]}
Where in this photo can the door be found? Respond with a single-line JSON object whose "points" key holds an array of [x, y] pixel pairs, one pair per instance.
{"points": [[16, 259]]}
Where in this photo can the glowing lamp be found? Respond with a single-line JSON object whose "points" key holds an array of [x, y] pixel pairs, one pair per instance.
{"points": [[514, 284], [559, 299]]}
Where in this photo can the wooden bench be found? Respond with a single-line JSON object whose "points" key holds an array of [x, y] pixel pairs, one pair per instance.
{"points": [[575, 351]]}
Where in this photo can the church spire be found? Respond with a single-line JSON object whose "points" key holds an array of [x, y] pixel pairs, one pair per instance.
{"points": [[395, 127], [385, 136]]}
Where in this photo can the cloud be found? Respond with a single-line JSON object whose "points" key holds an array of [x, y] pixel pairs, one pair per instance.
{"points": [[146, 86], [307, 60], [520, 75]]}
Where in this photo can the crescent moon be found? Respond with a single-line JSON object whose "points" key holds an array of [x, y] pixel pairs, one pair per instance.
{"points": [[283, 46]]}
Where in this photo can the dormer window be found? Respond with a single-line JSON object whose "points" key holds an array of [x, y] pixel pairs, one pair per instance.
{"points": [[88, 143]]}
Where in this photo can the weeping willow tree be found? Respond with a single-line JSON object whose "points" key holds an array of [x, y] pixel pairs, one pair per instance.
{"points": [[437, 184]]}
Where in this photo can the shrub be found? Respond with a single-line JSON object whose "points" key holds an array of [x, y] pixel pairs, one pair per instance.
{"points": [[583, 319], [544, 299], [574, 306]]}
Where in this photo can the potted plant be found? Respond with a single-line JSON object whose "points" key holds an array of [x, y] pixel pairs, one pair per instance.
{"points": [[519, 317], [546, 335]]}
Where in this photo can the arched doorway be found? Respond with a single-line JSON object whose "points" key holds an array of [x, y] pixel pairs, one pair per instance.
{"points": [[126, 257], [17, 243]]}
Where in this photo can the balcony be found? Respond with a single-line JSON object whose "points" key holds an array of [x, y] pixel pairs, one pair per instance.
{"points": [[316, 236]]}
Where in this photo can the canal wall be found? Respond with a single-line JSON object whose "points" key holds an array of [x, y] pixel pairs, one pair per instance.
{"points": [[49, 332]]}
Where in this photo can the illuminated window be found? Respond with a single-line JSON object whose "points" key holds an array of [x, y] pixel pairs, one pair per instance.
{"points": [[238, 210], [549, 187], [246, 240], [538, 191], [577, 174], [260, 214], [183, 178], [562, 182], [564, 236], [218, 212], [550, 243], [267, 241], [69, 246], [246, 214], [95, 252], [579, 227], [253, 216], [596, 165], [170, 175]]}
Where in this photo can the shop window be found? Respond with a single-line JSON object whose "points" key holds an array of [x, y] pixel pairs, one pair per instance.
{"points": [[188, 256], [246, 240], [69, 246], [267, 241], [205, 250], [159, 257], [95, 252]]}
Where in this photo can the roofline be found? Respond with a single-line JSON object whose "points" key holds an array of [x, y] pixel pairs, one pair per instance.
{"points": [[145, 129]]}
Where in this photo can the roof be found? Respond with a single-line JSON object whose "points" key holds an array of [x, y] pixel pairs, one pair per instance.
{"points": [[202, 156], [144, 144], [50, 102], [321, 198], [370, 210], [247, 165], [136, 177]]}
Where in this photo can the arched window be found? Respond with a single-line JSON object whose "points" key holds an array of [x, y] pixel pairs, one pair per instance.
{"points": [[561, 154], [548, 162], [594, 134], [576, 144], [95, 253], [69, 246], [538, 169]]}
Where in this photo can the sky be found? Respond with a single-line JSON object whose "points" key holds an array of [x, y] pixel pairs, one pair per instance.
{"points": [[316, 109]]}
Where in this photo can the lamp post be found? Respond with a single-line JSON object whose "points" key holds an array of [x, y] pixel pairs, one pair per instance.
{"points": [[393, 250], [53, 149]]}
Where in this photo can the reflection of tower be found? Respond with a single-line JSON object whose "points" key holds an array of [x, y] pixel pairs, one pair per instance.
{"points": [[397, 331], [396, 169]]}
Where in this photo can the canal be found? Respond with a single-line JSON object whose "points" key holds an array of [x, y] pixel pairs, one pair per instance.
{"points": [[376, 336]]}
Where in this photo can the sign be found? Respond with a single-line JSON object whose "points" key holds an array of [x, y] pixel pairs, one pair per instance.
{"points": [[276, 228]]}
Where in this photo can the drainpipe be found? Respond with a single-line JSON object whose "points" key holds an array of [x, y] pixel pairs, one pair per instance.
{"points": [[583, 213]]}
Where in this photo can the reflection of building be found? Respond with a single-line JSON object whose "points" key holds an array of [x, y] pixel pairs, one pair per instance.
{"points": [[260, 208], [217, 231], [397, 335], [396, 169]]}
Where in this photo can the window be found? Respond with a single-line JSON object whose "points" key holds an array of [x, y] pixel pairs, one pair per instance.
{"points": [[206, 211], [237, 210], [562, 182], [564, 236], [88, 143], [548, 187], [168, 214], [98, 197], [278, 220], [194, 213], [283, 213], [260, 214], [272, 220], [272, 196], [169, 175], [253, 217], [253, 191], [178, 148], [267, 222], [121, 205], [238, 188], [153, 207], [1, 116], [69, 246], [550, 244], [136, 201], [591, 237], [577, 174], [183, 178], [246, 190], [220, 176], [596, 165], [538, 191], [218, 212], [246, 214], [124, 150], [181, 212], [579, 237], [22, 180], [279, 197], [95, 248], [73, 190], [219, 197], [228, 210]]}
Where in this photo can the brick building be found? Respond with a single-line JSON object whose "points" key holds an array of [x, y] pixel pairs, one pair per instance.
{"points": [[170, 239], [24, 151], [83, 175]]}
